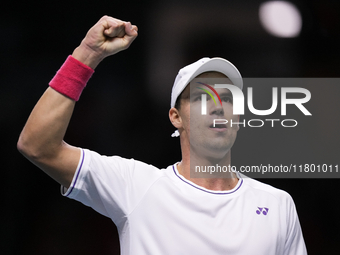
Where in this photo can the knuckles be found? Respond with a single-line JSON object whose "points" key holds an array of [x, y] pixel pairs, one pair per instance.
{"points": [[113, 28], [107, 20]]}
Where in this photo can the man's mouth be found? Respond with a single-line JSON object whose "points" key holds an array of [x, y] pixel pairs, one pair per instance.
{"points": [[218, 126]]}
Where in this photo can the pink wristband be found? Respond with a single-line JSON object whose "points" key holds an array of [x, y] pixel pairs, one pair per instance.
{"points": [[71, 78]]}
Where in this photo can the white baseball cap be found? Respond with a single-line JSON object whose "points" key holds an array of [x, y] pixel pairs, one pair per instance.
{"points": [[189, 72]]}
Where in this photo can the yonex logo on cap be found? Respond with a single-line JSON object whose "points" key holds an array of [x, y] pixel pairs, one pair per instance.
{"points": [[262, 210]]}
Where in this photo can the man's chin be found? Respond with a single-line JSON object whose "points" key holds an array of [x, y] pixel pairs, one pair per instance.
{"points": [[215, 151]]}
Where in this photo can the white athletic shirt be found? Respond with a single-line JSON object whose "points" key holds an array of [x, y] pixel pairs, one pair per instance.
{"points": [[158, 212]]}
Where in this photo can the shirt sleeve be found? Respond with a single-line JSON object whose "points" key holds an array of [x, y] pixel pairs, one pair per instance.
{"points": [[112, 186], [295, 244]]}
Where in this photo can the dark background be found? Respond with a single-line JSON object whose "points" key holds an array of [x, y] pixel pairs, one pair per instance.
{"points": [[124, 108]]}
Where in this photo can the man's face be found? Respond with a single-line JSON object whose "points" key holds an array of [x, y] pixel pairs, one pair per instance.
{"points": [[207, 139]]}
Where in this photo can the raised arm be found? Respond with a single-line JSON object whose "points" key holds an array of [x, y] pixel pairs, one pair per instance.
{"points": [[41, 140]]}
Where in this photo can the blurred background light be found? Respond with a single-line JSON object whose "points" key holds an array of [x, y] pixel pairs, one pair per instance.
{"points": [[280, 18]]}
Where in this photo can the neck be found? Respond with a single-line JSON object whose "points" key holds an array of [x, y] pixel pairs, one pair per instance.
{"points": [[214, 181]]}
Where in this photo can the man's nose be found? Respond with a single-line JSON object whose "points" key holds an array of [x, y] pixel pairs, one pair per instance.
{"points": [[216, 109]]}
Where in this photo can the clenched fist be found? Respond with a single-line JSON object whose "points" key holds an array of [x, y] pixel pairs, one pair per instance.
{"points": [[107, 37]]}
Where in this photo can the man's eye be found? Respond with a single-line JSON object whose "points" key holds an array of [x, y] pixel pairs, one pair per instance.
{"points": [[198, 98], [228, 99]]}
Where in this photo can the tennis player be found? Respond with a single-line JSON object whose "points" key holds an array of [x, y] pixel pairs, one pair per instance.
{"points": [[162, 211]]}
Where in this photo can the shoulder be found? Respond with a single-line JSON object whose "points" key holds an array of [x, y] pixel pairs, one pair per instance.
{"points": [[116, 161], [115, 165]]}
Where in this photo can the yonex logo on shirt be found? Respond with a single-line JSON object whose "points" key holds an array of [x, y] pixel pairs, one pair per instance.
{"points": [[264, 210]]}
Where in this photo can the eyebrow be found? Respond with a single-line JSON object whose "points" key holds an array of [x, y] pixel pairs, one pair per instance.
{"points": [[226, 93], [200, 92]]}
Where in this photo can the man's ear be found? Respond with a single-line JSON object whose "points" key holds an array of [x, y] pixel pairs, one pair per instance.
{"points": [[175, 118]]}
